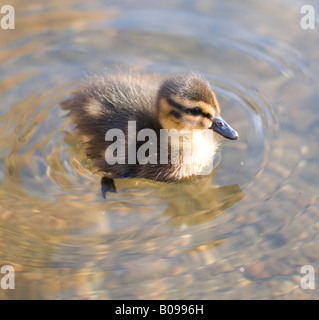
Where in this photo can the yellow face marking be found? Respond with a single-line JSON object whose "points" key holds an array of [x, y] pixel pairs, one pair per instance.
{"points": [[205, 107], [216, 104], [167, 120], [212, 110]]}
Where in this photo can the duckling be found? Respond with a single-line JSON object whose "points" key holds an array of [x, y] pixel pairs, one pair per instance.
{"points": [[180, 102]]}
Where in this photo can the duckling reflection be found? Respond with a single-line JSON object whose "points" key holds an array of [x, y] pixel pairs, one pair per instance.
{"points": [[179, 102], [187, 202], [200, 201]]}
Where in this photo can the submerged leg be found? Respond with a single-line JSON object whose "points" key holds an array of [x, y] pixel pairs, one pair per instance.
{"points": [[107, 185]]}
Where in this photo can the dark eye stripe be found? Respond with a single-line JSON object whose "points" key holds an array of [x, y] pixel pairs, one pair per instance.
{"points": [[176, 114], [187, 110], [177, 105]]}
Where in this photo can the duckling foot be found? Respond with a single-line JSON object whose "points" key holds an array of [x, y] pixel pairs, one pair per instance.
{"points": [[107, 185]]}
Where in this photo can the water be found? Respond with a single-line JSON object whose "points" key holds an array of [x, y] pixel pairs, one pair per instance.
{"points": [[243, 232]]}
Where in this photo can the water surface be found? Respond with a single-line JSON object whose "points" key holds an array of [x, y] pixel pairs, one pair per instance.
{"points": [[242, 232]]}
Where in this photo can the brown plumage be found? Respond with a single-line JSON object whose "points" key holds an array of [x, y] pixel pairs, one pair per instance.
{"points": [[179, 102]]}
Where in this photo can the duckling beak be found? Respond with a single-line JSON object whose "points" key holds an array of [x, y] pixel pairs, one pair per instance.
{"points": [[223, 128]]}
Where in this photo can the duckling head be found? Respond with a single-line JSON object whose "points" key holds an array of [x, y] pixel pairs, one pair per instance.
{"points": [[188, 102]]}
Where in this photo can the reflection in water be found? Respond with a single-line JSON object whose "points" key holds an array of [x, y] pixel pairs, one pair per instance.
{"points": [[198, 203], [242, 232]]}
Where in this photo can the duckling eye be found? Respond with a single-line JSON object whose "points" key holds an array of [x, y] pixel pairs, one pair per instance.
{"points": [[195, 111]]}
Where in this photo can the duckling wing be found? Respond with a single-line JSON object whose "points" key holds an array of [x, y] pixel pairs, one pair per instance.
{"points": [[110, 103]]}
